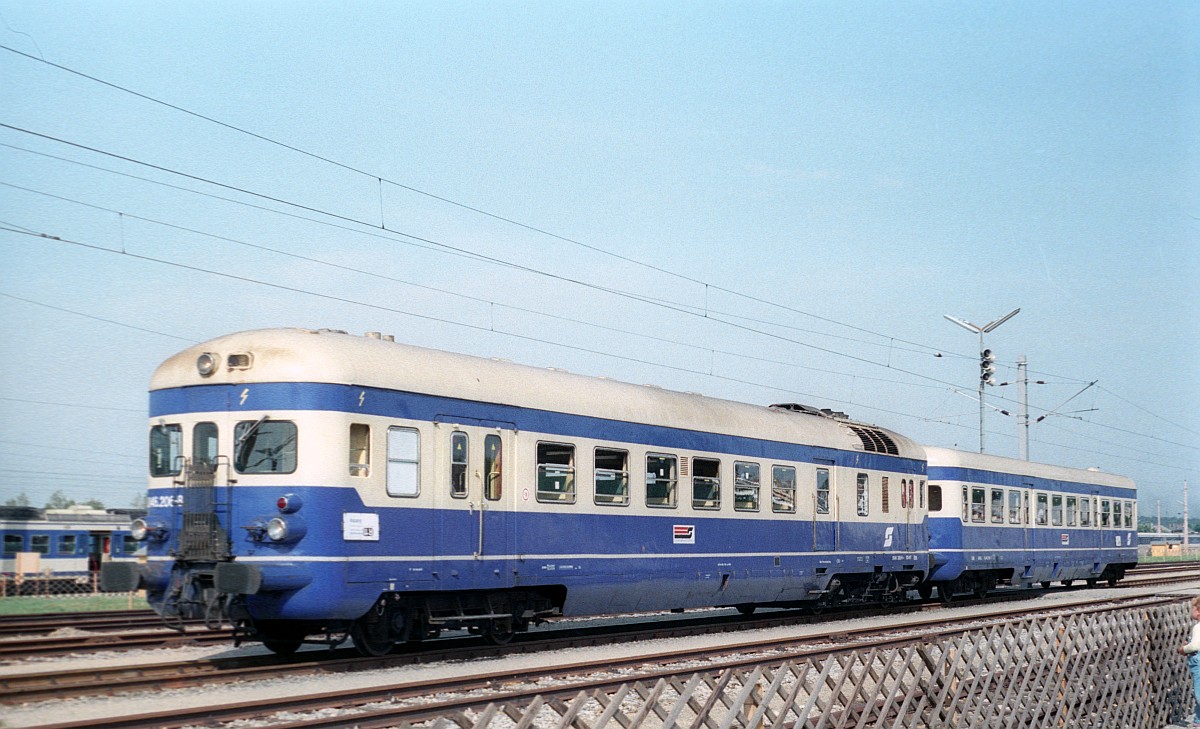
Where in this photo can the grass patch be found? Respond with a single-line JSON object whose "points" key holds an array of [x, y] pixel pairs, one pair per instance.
{"points": [[35, 605]]}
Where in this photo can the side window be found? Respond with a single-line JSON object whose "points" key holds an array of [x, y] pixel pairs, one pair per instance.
{"points": [[1072, 508], [66, 543], [966, 505], [1014, 507], [556, 472], [662, 477], [13, 543], [360, 449], [978, 497], [746, 478], [1085, 512], [493, 467], [1116, 518], [783, 489], [458, 464], [884, 495], [706, 483], [921, 492], [1104, 512], [1056, 510], [904, 500], [204, 444], [935, 498], [39, 543], [997, 506], [1129, 519], [864, 495], [166, 450], [404, 462], [1042, 510], [612, 477], [265, 446], [822, 490]]}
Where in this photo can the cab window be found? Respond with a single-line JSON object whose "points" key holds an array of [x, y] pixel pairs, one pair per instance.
{"points": [[166, 450], [204, 445], [265, 446]]}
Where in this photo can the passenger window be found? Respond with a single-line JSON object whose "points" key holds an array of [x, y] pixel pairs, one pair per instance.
{"points": [[706, 483], [864, 495], [1116, 521], [1072, 508], [556, 472], [783, 490], [1042, 510], [978, 504], [921, 491], [1104, 512], [966, 505], [822, 490], [661, 480], [360, 449], [66, 544], [745, 486], [39, 543], [458, 464], [883, 493], [166, 450], [265, 446], [612, 477], [1129, 520], [404, 462], [492, 467], [904, 493], [935, 498], [1085, 512], [997, 506], [204, 444], [1056, 510], [13, 543], [1014, 507]]}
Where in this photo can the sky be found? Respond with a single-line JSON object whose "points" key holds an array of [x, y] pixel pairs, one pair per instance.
{"points": [[764, 202]]}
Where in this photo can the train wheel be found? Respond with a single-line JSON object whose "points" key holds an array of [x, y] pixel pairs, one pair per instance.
{"points": [[745, 609], [945, 594], [981, 588], [925, 590], [500, 632], [1068, 583], [1091, 581], [1045, 584], [367, 640], [1112, 579]]}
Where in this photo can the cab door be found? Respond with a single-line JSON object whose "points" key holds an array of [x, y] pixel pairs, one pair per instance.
{"points": [[494, 537]]}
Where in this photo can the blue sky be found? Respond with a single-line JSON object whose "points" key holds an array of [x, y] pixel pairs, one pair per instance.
{"points": [[858, 169]]}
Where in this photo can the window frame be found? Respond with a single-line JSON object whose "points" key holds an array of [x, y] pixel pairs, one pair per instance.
{"points": [[822, 489], [622, 475], [460, 470], [671, 500], [863, 500], [940, 503], [713, 484], [393, 461], [493, 467], [549, 471], [782, 490], [996, 506], [258, 426], [1014, 510], [359, 451], [740, 468], [174, 445], [1042, 509]]}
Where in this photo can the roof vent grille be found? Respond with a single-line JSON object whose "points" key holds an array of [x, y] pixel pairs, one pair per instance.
{"points": [[875, 441]]}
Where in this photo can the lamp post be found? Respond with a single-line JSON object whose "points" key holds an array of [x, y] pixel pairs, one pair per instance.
{"points": [[987, 360]]}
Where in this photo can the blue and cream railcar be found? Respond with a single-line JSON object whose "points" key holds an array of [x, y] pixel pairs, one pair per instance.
{"points": [[1000, 520], [69, 543], [339, 483]]}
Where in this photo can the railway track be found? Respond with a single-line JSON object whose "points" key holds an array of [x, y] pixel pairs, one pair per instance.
{"points": [[141, 629], [425, 700]]}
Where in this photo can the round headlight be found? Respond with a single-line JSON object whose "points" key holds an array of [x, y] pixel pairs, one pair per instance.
{"points": [[206, 364], [277, 529], [139, 530]]}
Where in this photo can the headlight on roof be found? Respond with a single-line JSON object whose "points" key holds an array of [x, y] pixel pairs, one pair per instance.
{"points": [[206, 364]]}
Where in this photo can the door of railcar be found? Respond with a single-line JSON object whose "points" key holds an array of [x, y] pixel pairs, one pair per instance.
{"points": [[824, 512], [476, 525]]}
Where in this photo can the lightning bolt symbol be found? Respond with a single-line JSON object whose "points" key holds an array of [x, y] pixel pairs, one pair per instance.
{"points": [[361, 396], [245, 394]]}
